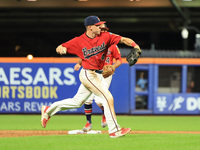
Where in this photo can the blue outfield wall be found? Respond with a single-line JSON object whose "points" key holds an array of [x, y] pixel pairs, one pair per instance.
{"points": [[25, 87], [177, 104]]}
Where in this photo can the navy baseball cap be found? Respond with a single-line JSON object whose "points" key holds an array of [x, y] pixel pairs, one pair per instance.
{"points": [[93, 20]]}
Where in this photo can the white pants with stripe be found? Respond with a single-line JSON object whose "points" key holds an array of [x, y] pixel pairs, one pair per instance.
{"points": [[90, 83], [98, 100]]}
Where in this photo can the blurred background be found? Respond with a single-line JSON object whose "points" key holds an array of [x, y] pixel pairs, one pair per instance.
{"points": [[39, 26]]}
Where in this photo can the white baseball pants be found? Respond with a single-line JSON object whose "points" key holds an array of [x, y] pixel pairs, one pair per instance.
{"points": [[98, 100], [90, 83]]}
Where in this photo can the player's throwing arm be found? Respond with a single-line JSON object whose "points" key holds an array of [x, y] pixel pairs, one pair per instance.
{"points": [[61, 50], [135, 53]]}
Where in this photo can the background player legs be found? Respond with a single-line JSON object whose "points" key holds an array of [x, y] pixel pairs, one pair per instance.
{"points": [[88, 114], [103, 120]]}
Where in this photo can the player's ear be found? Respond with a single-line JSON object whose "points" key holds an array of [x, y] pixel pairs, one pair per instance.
{"points": [[90, 27]]}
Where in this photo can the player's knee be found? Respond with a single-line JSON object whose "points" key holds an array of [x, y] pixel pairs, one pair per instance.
{"points": [[111, 100], [110, 97]]}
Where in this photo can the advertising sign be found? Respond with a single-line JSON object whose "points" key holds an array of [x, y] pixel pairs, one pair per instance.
{"points": [[177, 104], [24, 88]]}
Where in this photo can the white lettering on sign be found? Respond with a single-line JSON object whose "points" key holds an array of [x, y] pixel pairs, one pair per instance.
{"points": [[161, 103], [26, 76], [14, 76], [3, 77], [34, 106], [176, 103], [10, 106], [40, 77], [70, 78], [193, 103], [54, 75]]}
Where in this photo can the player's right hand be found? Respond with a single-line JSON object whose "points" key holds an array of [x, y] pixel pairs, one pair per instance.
{"points": [[61, 50], [77, 67]]}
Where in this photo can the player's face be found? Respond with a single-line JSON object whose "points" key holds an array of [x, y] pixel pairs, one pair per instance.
{"points": [[96, 29]]}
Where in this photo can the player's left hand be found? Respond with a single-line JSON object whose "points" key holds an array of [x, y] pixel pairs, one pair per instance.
{"points": [[108, 70], [133, 56], [77, 67]]}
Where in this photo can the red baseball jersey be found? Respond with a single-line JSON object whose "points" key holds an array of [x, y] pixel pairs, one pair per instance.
{"points": [[92, 51], [113, 52]]}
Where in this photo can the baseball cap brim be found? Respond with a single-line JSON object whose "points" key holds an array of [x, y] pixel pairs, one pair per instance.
{"points": [[99, 23], [104, 28]]}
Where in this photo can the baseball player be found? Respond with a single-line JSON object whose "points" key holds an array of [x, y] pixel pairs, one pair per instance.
{"points": [[92, 47], [113, 53]]}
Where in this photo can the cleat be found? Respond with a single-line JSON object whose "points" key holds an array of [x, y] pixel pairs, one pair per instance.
{"points": [[87, 127], [120, 133], [103, 122], [44, 117]]}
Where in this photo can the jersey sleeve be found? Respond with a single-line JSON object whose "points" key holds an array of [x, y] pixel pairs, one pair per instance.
{"points": [[114, 38], [116, 53], [71, 46]]}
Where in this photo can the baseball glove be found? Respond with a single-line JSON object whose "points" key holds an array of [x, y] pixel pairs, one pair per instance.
{"points": [[108, 70], [133, 56]]}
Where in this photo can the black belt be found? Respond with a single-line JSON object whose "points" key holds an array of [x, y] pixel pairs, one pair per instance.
{"points": [[98, 71]]}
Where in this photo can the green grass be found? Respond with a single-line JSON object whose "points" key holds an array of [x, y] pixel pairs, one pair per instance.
{"points": [[70, 122], [102, 141], [97, 142]]}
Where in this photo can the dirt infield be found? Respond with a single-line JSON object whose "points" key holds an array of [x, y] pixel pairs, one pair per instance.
{"points": [[24, 133]]}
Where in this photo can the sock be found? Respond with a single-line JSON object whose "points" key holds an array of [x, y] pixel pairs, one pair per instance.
{"points": [[102, 109], [88, 112]]}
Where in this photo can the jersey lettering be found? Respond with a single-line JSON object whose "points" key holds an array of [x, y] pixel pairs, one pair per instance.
{"points": [[93, 51]]}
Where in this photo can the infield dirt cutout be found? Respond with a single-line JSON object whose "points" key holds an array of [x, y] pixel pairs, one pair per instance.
{"points": [[24, 133]]}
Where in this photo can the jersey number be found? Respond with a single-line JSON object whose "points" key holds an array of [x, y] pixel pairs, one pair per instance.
{"points": [[103, 56], [107, 60]]}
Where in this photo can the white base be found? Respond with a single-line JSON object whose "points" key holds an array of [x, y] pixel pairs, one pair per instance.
{"points": [[82, 132]]}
